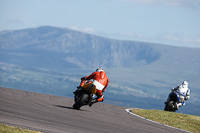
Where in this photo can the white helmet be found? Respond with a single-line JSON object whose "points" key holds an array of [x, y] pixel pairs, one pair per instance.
{"points": [[185, 84], [99, 69]]}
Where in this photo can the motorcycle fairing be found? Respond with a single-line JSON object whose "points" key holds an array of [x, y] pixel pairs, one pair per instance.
{"points": [[176, 97], [87, 88]]}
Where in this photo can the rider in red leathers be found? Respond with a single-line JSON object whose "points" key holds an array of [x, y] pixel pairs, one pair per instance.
{"points": [[100, 80]]}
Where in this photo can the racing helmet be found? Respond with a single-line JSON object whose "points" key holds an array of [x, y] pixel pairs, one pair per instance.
{"points": [[99, 69], [185, 84]]}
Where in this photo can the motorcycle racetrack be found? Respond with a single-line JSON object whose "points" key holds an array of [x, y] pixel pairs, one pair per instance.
{"points": [[54, 114]]}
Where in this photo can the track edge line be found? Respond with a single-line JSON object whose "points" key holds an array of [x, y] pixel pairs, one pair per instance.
{"points": [[129, 111]]}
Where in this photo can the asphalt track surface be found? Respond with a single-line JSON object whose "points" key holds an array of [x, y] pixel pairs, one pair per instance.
{"points": [[54, 114]]}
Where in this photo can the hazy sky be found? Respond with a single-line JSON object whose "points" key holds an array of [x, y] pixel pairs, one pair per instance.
{"points": [[172, 22]]}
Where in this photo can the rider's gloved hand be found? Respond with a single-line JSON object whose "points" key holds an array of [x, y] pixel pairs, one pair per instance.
{"points": [[83, 78], [187, 97]]}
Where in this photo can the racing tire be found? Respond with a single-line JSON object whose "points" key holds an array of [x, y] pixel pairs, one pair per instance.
{"points": [[170, 106], [81, 101]]}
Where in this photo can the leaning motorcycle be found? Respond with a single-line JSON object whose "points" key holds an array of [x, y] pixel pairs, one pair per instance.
{"points": [[84, 95], [175, 98]]}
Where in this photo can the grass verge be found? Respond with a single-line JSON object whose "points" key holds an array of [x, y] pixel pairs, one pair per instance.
{"points": [[178, 120], [10, 129]]}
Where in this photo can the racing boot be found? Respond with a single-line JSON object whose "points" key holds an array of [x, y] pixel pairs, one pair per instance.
{"points": [[92, 102], [178, 105]]}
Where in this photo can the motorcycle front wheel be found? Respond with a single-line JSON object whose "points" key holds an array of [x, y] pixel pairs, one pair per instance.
{"points": [[170, 107]]}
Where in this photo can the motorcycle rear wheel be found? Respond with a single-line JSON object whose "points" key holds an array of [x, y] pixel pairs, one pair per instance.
{"points": [[81, 101]]}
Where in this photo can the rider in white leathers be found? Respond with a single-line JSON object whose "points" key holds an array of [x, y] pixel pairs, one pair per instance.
{"points": [[183, 90]]}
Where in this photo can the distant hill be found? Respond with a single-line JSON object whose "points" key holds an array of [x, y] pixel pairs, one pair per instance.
{"points": [[136, 68], [79, 49]]}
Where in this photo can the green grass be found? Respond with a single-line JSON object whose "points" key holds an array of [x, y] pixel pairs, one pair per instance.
{"points": [[10, 129], [178, 120]]}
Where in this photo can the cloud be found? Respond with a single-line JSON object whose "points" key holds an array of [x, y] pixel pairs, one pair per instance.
{"points": [[182, 39], [176, 39], [180, 3], [86, 29], [14, 21]]}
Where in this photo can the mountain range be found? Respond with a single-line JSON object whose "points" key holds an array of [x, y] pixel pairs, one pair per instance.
{"points": [[139, 69]]}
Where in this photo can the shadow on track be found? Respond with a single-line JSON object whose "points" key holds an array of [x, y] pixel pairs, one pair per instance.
{"points": [[63, 107], [60, 106]]}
